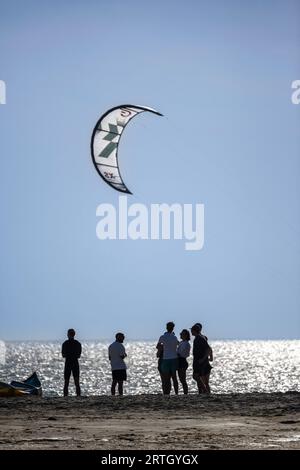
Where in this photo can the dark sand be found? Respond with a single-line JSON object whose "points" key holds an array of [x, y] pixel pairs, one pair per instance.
{"points": [[248, 421]]}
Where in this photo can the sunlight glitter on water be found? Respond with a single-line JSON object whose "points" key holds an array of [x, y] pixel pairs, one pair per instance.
{"points": [[238, 367], [2, 352]]}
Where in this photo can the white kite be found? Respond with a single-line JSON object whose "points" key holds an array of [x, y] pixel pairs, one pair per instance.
{"points": [[105, 142]]}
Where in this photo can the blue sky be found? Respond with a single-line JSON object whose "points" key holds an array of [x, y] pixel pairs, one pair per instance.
{"points": [[221, 73]]}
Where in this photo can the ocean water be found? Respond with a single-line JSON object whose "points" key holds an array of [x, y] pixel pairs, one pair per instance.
{"points": [[238, 367]]}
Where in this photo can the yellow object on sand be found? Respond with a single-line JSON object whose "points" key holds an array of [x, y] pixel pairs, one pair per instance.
{"points": [[7, 390]]}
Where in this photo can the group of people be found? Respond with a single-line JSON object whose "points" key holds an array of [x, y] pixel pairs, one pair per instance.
{"points": [[172, 360]]}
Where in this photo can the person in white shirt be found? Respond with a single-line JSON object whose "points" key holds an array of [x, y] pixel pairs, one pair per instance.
{"points": [[169, 363], [183, 351], [117, 354]]}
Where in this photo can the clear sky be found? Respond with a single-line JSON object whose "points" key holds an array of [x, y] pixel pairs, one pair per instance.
{"points": [[221, 73]]}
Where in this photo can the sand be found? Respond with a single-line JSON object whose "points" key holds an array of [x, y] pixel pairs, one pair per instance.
{"points": [[245, 421]]}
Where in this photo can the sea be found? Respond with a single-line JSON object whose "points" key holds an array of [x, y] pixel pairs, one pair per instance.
{"points": [[238, 366]]}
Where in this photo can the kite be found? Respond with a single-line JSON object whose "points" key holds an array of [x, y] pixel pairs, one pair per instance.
{"points": [[105, 142]]}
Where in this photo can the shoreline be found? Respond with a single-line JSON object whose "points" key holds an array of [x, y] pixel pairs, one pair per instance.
{"points": [[151, 422]]}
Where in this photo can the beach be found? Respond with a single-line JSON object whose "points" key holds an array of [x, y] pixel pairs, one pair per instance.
{"points": [[231, 421]]}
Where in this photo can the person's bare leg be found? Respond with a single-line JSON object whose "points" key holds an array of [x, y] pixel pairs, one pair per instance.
{"points": [[175, 382], [66, 387], [162, 380], [166, 383], [196, 378], [113, 387], [77, 386], [120, 387], [67, 375], [200, 383], [182, 378], [205, 380]]}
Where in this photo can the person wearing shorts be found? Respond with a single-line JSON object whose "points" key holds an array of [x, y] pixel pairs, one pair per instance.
{"points": [[201, 365], [183, 352], [117, 354], [169, 363]]}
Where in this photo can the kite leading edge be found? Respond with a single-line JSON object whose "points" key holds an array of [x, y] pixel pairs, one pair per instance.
{"points": [[105, 142]]}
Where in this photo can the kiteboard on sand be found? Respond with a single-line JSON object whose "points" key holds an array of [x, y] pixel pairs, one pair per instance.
{"points": [[30, 386]]}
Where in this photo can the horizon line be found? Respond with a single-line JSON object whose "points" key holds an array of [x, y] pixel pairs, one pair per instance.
{"points": [[145, 339]]}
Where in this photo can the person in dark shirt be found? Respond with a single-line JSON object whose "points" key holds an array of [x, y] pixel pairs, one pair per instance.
{"points": [[71, 351], [201, 365], [210, 356]]}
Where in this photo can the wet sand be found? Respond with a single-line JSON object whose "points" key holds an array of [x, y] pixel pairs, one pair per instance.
{"points": [[246, 421]]}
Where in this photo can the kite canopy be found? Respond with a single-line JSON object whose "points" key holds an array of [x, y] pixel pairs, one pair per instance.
{"points": [[105, 142]]}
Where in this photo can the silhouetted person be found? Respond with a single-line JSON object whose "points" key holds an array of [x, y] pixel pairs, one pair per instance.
{"points": [[159, 355], [201, 365], [71, 351], [117, 354], [210, 358], [183, 351], [169, 364]]}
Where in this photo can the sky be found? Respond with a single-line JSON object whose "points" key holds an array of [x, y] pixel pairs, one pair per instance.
{"points": [[220, 72]]}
